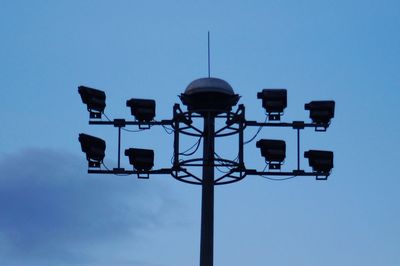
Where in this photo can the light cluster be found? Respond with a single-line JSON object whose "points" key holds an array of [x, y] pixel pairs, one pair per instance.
{"points": [[142, 109], [274, 101], [214, 96]]}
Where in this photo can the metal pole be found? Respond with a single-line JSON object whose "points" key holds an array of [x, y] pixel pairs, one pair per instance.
{"points": [[298, 149], [119, 147], [207, 203]]}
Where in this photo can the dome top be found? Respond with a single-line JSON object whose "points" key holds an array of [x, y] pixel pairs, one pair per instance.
{"points": [[204, 85], [209, 95]]}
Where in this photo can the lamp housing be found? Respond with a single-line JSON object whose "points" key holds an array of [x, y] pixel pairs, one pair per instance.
{"points": [[94, 99], [320, 161], [274, 101], [321, 112], [274, 152], [209, 95], [141, 159], [144, 110], [94, 148]]}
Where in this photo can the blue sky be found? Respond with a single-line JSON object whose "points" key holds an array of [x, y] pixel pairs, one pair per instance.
{"points": [[53, 213]]}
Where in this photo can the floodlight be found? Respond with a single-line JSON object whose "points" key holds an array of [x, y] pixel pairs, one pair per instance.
{"points": [[274, 152], [274, 101], [320, 161], [94, 148], [141, 159], [209, 95], [94, 99], [321, 112], [143, 110]]}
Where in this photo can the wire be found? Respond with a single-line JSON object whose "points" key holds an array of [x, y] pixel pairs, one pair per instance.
{"points": [[197, 145], [123, 128], [106, 117], [226, 164], [276, 179], [236, 159], [168, 130], [105, 166], [258, 131], [108, 169], [133, 130], [223, 163], [221, 171]]}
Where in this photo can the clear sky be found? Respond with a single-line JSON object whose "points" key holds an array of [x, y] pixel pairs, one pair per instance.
{"points": [[53, 213]]}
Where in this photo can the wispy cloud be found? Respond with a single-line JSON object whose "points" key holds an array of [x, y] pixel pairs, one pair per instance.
{"points": [[52, 213]]}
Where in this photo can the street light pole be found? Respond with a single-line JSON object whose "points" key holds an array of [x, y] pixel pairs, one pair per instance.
{"points": [[207, 202], [208, 99]]}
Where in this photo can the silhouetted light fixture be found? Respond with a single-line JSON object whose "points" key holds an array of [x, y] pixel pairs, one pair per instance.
{"points": [[209, 94], [143, 110], [274, 101], [321, 112], [141, 159], [320, 161], [94, 148], [274, 152], [94, 99]]}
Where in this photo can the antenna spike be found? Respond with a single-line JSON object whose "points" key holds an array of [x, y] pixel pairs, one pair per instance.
{"points": [[209, 63]]}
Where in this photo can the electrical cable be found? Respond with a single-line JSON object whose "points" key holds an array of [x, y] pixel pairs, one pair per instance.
{"points": [[168, 130], [133, 130], [108, 169], [225, 164], [276, 179], [123, 128], [221, 171], [236, 159], [107, 117], [258, 131], [196, 144]]}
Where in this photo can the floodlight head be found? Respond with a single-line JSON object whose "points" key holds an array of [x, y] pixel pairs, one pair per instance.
{"points": [[209, 95], [274, 152], [321, 112], [274, 101], [320, 161], [94, 99], [143, 110], [94, 148], [141, 159]]}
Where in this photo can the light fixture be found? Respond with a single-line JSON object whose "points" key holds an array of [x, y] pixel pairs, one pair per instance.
{"points": [[274, 152], [320, 161], [94, 99], [141, 159], [321, 112], [94, 148], [143, 110], [274, 102]]}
